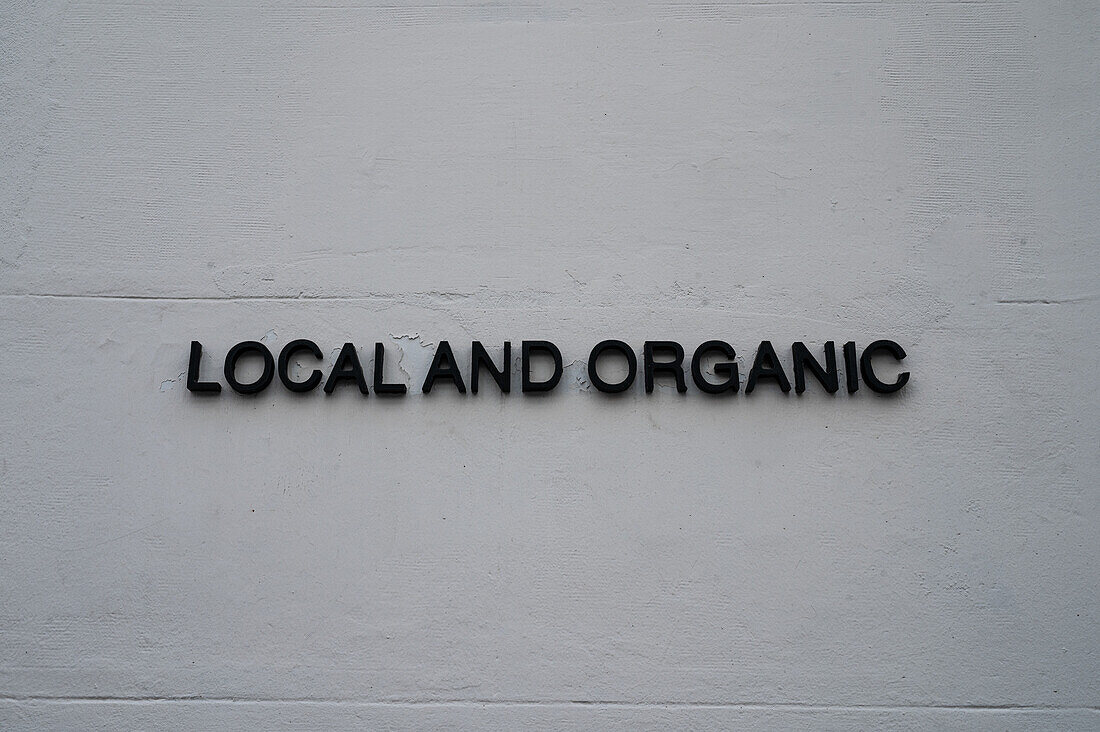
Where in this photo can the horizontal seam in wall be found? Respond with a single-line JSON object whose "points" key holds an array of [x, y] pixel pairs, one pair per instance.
{"points": [[391, 297], [182, 298], [429, 703]]}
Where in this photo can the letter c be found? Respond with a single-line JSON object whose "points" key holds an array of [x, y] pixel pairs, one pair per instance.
{"points": [[284, 365], [868, 371]]}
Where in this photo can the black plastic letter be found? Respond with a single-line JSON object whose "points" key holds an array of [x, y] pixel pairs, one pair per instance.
{"points": [[868, 371], [380, 386], [631, 366], [527, 349], [726, 368], [766, 366], [346, 368], [235, 354], [803, 359], [193, 383], [480, 358], [851, 376], [284, 365], [675, 367], [444, 366]]}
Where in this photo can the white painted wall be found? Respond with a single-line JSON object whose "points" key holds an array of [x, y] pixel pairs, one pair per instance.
{"points": [[574, 171]]}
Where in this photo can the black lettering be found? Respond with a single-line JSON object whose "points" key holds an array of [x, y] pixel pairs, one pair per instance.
{"points": [[851, 376], [528, 349], [380, 385], [480, 358], [193, 383], [868, 371], [444, 367], [243, 349], [727, 368], [803, 359], [346, 368], [675, 367], [284, 365], [766, 366], [631, 364]]}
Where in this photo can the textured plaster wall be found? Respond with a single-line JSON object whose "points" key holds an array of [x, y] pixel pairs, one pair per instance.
{"points": [[922, 171]]}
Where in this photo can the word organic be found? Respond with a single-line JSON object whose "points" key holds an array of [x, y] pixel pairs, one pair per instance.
{"points": [[660, 359]]}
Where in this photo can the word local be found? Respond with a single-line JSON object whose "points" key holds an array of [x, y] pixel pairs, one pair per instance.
{"points": [[659, 359]]}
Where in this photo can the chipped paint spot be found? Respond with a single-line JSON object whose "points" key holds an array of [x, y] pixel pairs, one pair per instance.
{"points": [[415, 358], [169, 384]]}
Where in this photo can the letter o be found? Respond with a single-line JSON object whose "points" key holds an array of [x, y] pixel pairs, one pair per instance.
{"points": [[244, 349], [631, 362]]}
